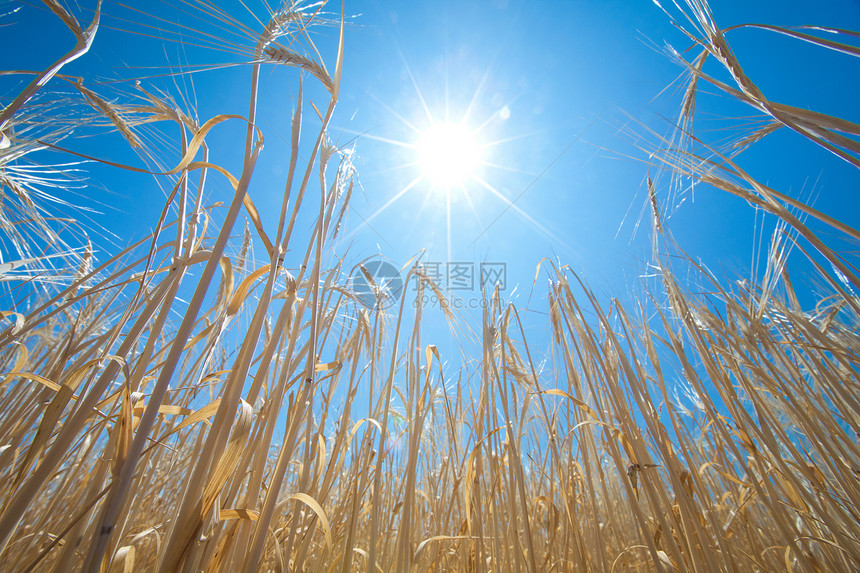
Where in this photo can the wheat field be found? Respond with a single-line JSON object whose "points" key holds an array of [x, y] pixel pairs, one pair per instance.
{"points": [[188, 404]]}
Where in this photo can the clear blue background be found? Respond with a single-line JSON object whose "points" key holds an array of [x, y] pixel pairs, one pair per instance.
{"points": [[579, 79]]}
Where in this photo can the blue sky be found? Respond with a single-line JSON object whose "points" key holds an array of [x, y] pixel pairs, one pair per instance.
{"points": [[557, 88], [576, 79]]}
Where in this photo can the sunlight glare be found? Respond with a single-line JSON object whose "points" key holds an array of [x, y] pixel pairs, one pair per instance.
{"points": [[448, 154]]}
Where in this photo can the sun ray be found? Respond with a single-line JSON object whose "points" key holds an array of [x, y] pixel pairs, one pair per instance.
{"points": [[415, 84], [402, 119], [448, 223], [507, 168], [387, 204], [513, 138], [366, 135], [424, 201], [511, 205], [475, 98]]}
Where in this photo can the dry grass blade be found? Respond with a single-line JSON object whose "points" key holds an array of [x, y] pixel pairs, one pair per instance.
{"points": [[111, 113], [285, 56], [823, 42]]}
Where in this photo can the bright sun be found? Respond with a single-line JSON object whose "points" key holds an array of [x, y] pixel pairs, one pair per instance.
{"points": [[448, 154]]}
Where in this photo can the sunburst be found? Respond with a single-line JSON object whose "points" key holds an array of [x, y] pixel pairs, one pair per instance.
{"points": [[448, 154], [452, 154]]}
